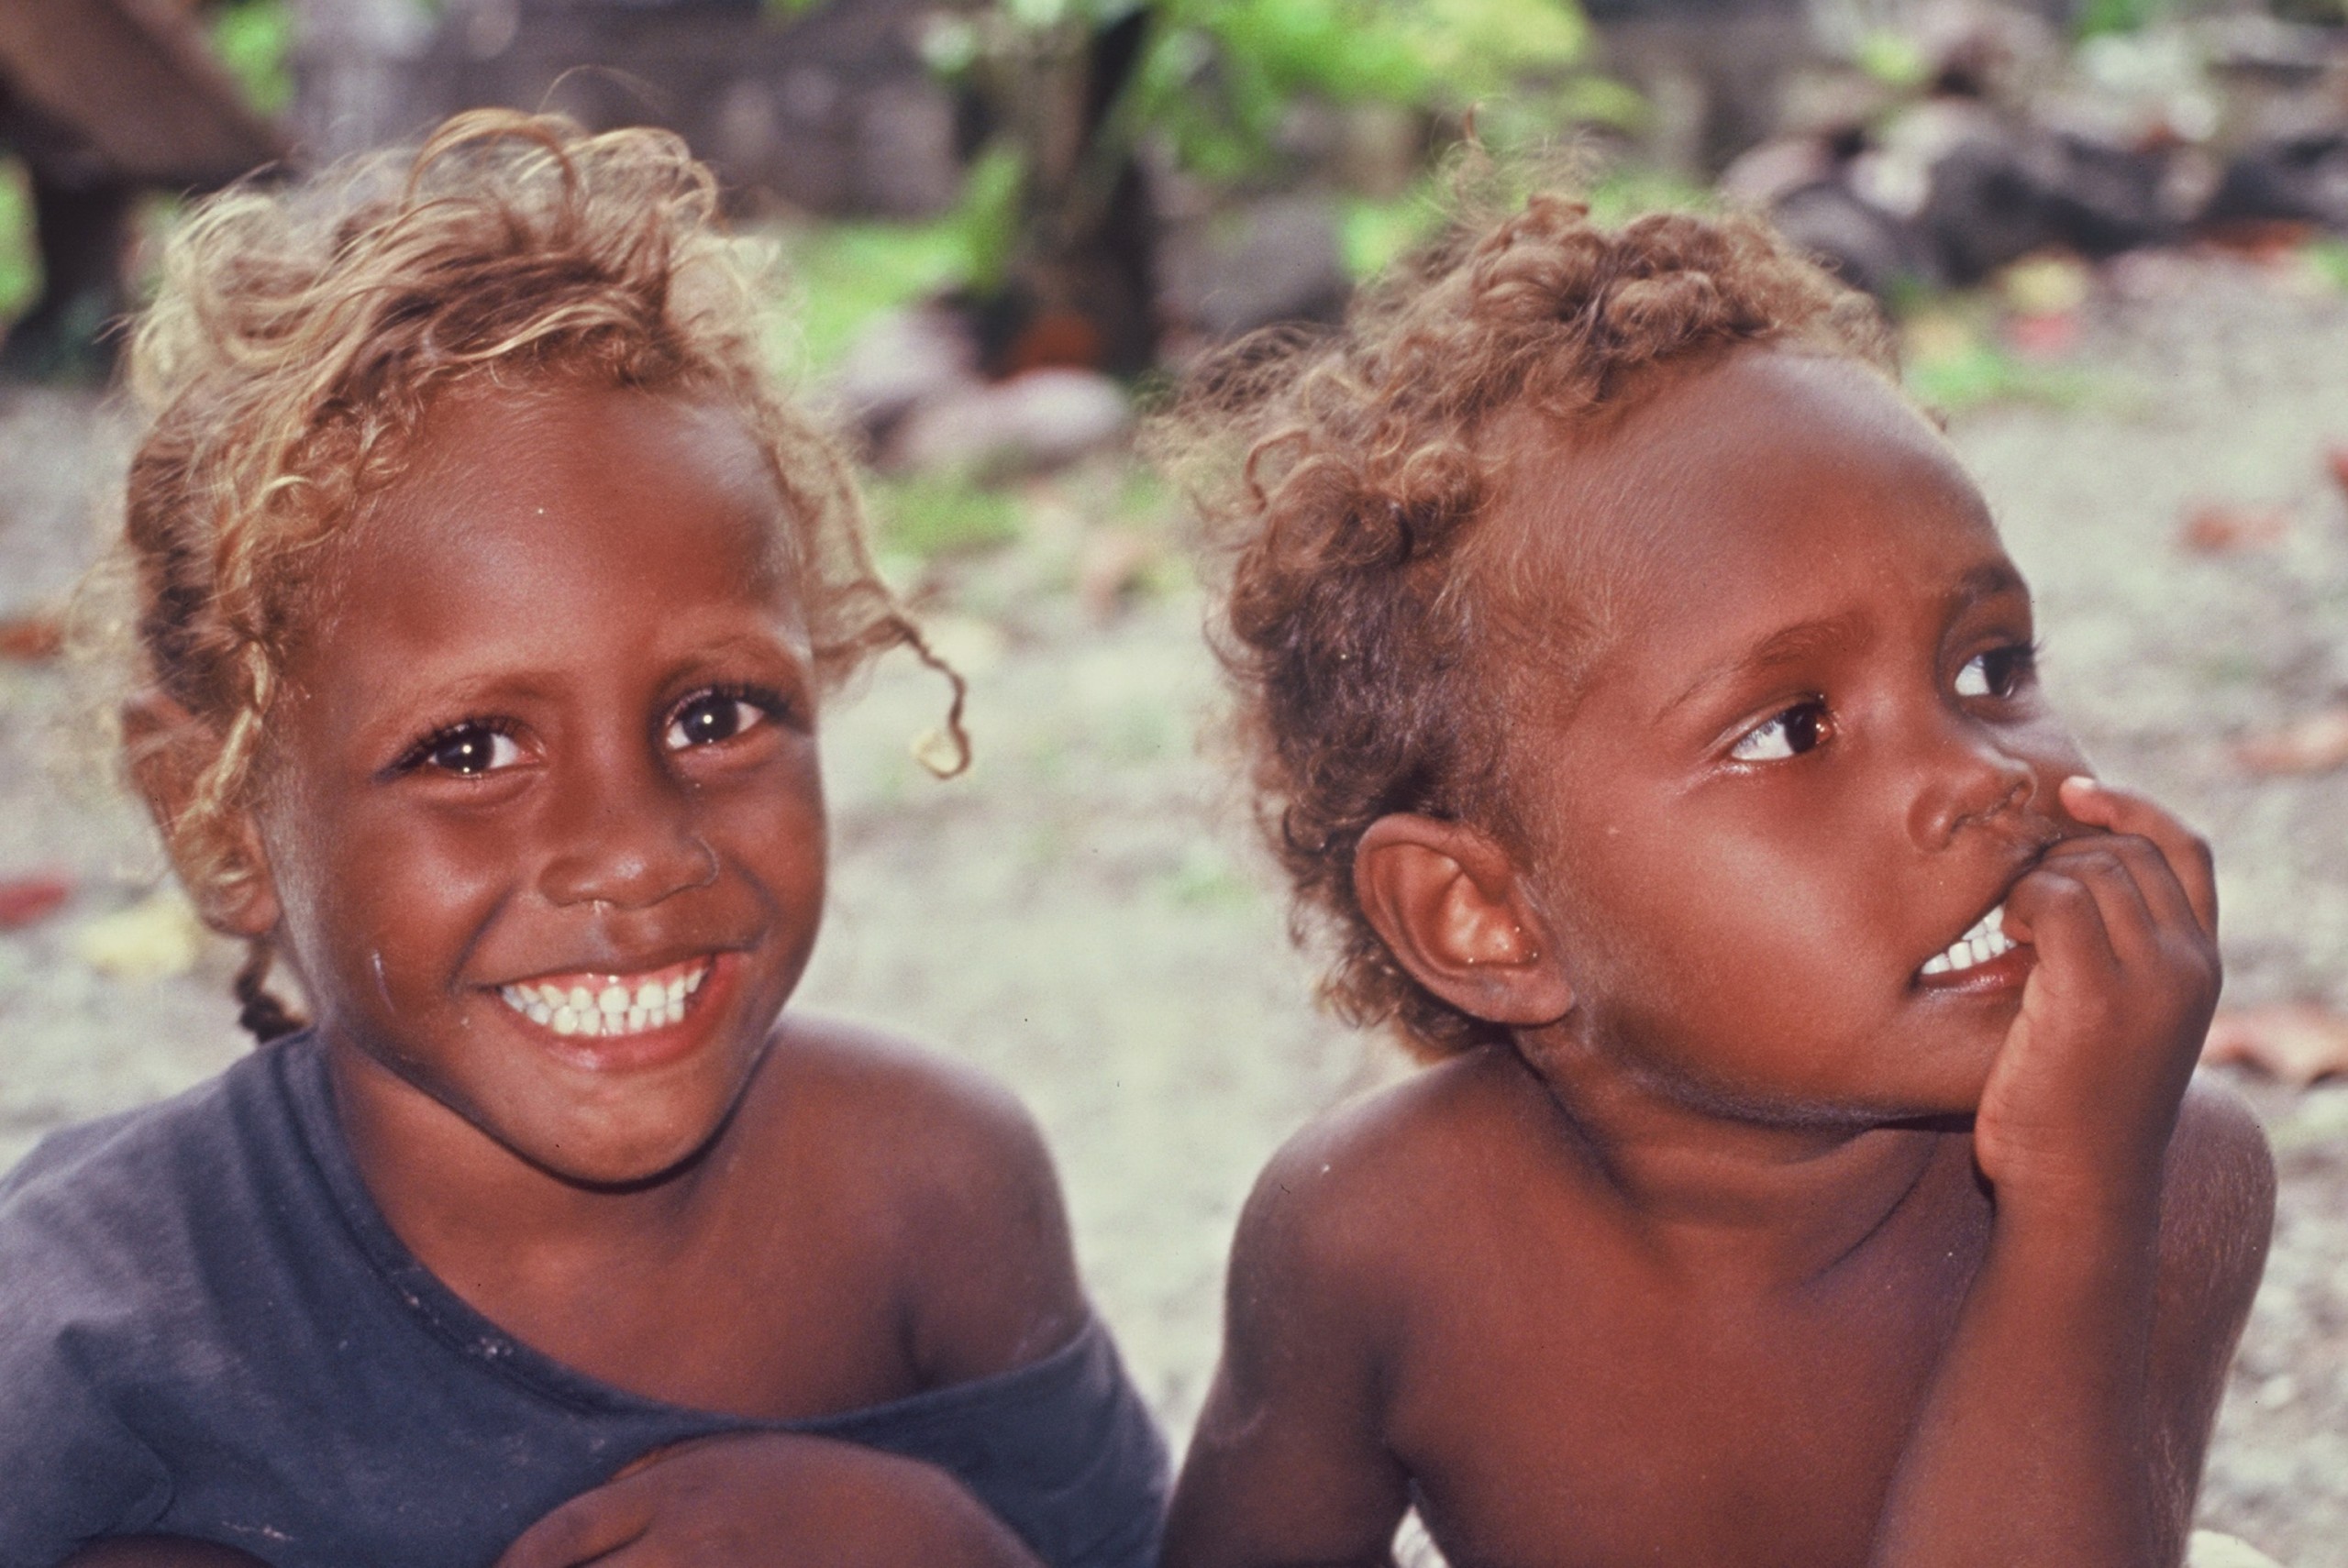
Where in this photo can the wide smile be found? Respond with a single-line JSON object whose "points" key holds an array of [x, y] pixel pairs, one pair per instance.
{"points": [[598, 1005]]}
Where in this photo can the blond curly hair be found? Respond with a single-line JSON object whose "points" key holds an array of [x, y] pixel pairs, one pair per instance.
{"points": [[1344, 474], [300, 333]]}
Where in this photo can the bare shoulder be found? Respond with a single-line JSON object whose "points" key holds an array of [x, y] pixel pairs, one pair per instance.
{"points": [[2218, 1193], [1371, 1193], [950, 1167], [932, 1120], [1347, 1236], [2217, 1209]]}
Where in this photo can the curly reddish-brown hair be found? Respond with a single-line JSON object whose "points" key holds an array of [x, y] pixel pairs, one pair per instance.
{"points": [[1346, 473], [301, 335]]}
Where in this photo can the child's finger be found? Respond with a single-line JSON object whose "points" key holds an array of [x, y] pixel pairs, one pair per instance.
{"points": [[2138, 891], [2056, 910], [2099, 804], [584, 1528]]}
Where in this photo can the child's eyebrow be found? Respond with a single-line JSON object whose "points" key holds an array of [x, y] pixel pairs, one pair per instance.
{"points": [[1987, 581], [1790, 644], [1787, 644]]}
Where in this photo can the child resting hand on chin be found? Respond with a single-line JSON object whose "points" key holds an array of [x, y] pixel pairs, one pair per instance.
{"points": [[1809, 1171], [487, 595]]}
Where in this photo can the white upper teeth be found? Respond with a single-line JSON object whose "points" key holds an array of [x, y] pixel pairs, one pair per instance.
{"points": [[620, 1006], [1984, 942]]}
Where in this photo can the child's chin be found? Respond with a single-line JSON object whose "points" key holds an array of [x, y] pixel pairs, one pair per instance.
{"points": [[605, 1160]]}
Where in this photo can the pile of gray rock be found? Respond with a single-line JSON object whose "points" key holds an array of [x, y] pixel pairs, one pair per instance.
{"points": [[2232, 125]]}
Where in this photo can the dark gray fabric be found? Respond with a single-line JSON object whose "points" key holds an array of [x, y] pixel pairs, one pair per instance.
{"points": [[207, 1330]]}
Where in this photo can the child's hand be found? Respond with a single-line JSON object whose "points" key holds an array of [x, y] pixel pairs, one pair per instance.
{"points": [[772, 1497], [2082, 1097]]}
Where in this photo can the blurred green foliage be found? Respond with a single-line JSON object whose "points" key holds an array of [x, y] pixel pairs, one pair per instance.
{"points": [[1892, 58], [19, 260], [1373, 235], [1977, 371], [2328, 259], [1223, 73], [926, 516], [2098, 16], [1215, 81], [254, 39], [1623, 191], [843, 274]]}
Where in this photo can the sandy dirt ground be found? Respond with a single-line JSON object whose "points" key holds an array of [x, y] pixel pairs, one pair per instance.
{"points": [[1084, 916]]}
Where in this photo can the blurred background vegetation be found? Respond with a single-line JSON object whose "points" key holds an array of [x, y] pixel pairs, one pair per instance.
{"points": [[967, 193]]}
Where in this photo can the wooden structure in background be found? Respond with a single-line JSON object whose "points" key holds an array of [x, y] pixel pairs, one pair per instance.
{"points": [[103, 98]]}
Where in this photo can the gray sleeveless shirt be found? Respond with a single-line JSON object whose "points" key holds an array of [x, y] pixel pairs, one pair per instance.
{"points": [[207, 1330]]}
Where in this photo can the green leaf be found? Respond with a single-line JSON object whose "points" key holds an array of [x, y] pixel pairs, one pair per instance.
{"points": [[942, 515], [19, 260], [254, 39]]}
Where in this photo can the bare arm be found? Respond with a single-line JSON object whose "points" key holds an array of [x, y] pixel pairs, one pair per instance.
{"points": [[2066, 1423], [1285, 1468], [769, 1497]]}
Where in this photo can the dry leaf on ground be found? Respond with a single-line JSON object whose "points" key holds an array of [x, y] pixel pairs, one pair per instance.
{"points": [[2296, 1041], [2315, 744], [2217, 528], [156, 937], [25, 900], [30, 639]]}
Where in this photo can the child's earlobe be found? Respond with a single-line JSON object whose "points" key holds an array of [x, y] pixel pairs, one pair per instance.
{"points": [[1447, 900]]}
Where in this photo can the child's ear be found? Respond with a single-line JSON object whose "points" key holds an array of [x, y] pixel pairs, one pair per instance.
{"points": [[168, 749], [1446, 899]]}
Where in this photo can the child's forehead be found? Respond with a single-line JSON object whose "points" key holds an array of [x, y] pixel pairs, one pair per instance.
{"points": [[486, 452], [1718, 487]]}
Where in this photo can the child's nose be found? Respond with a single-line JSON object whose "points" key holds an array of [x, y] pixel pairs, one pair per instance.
{"points": [[1970, 777], [625, 836]]}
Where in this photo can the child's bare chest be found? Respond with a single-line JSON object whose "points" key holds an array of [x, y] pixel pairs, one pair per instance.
{"points": [[1572, 1420]]}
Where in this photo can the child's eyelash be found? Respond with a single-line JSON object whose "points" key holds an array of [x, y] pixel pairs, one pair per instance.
{"points": [[2021, 658], [776, 705], [414, 756]]}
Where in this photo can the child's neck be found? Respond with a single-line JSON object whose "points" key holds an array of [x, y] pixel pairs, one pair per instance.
{"points": [[1743, 1200], [471, 1208]]}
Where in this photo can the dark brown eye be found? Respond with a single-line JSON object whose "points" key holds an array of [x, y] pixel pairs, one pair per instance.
{"points": [[712, 717], [1999, 672], [1797, 729], [469, 749]]}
